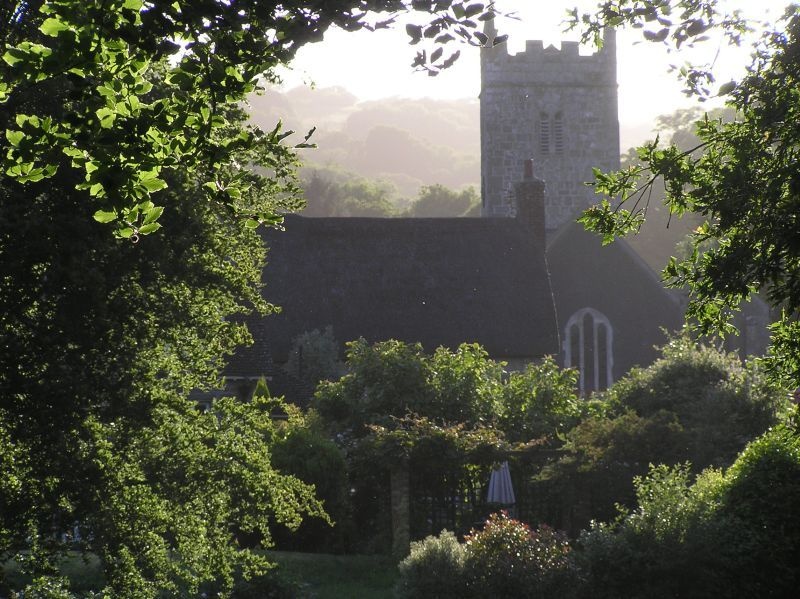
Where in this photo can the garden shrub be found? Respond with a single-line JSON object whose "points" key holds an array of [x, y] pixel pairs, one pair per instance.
{"points": [[668, 547], [540, 401], [695, 404], [309, 455], [728, 535], [720, 403], [761, 498], [509, 559], [433, 569]]}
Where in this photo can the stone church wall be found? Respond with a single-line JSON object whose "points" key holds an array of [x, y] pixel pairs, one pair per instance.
{"points": [[555, 106]]}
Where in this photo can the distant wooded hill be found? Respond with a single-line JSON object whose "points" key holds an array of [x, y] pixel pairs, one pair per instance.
{"points": [[409, 143]]}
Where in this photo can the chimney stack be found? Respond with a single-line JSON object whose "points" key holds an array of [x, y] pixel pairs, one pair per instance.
{"points": [[529, 199]]}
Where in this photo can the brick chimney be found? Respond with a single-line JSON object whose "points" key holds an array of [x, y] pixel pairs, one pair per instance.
{"points": [[529, 199]]}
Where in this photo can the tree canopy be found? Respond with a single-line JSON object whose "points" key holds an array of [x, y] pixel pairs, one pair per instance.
{"points": [[742, 178], [127, 111], [122, 135], [693, 405], [439, 201]]}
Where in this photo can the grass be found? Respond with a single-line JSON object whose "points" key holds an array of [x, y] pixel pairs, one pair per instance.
{"points": [[319, 576], [323, 576], [83, 572]]}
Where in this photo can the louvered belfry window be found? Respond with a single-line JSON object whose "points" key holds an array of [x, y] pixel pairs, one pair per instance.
{"points": [[544, 133], [551, 134]]}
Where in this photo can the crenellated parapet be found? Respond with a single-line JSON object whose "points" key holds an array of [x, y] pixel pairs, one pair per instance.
{"points": [[540, 64]]}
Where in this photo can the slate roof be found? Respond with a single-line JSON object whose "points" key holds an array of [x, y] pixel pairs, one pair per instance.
{"points": [[440, 281], [616, 281], [254, 360]]}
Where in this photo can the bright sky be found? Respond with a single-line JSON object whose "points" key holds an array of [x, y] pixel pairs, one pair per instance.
{"points": [[375, 65]]}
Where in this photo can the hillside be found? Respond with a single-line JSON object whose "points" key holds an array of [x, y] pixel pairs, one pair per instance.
{"points": [[409, 143]]}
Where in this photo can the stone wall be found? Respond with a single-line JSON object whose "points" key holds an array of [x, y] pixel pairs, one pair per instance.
{"points": [[555, 106]]}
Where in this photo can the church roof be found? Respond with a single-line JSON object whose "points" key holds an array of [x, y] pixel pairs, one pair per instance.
{"points": [[439, 281]]}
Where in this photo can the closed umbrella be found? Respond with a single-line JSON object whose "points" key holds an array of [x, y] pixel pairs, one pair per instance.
{"points": [[501, 491]]}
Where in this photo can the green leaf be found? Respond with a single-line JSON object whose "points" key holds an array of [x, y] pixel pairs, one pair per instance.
{"points": [[53, 27], [153, 214], [22, 119], [727, 88], [13, 56], [105, 91], [14, 137], [414, 32], [149, 228], [103, 216], [152, 185], [106, 116], [32, 177], [481, 37], [472, 10]]}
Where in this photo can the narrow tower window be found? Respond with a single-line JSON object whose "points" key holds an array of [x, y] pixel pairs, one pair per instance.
{"points": [[544, 134], [558, 134]]}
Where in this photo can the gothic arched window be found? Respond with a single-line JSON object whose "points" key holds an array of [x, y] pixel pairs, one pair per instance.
{"points": [[588, 346]]}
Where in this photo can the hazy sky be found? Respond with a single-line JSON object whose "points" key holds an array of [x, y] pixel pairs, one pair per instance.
{"points": [[375, 65]]}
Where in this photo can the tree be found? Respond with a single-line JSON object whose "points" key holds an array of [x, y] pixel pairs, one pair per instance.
{"points": [[695, 404], [664, 234], [742, 178], [451, 416], [103, 340], [314, 357], [438, 200], [121, 109], [121, 137], [328, 193], [391, 380]]}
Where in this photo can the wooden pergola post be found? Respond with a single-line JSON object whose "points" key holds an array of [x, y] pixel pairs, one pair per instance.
{"points": [[401, 532]]}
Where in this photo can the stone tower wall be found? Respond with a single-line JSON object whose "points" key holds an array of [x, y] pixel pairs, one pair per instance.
{"points": [[555, 106]]}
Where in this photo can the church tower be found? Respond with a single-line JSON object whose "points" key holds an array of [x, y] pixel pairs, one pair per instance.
{"points": [[555, 106]]}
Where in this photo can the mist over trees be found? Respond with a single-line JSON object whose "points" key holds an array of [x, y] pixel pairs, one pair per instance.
{"points": [[409, 143]]}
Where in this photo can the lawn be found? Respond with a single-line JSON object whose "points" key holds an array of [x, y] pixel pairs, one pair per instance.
{"points": [[318, 576], [322, 576]]}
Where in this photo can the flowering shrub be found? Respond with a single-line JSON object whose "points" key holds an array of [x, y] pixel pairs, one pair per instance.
{"points": [[509, 559]]}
